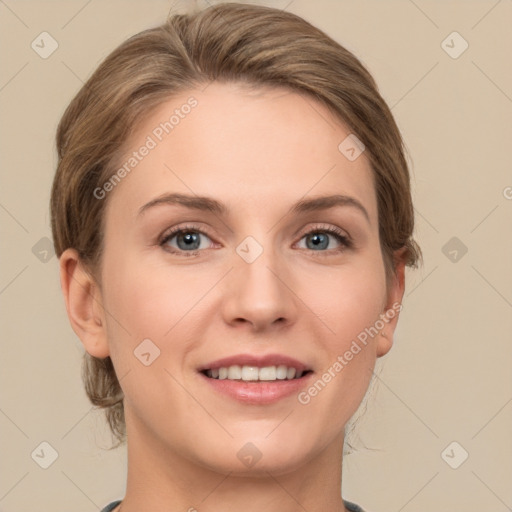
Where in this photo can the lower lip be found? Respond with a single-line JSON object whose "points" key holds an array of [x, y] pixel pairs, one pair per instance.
{"points": [[258, 392]]}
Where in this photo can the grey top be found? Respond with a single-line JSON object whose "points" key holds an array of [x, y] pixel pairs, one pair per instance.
{"points": [[111, 506], [350, 506]]}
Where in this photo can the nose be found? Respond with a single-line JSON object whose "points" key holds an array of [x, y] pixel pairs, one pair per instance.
{"points": [[259, 293]]}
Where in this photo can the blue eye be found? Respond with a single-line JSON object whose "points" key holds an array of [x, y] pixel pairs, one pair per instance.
{"points": [[187, 239], [320, 239]]}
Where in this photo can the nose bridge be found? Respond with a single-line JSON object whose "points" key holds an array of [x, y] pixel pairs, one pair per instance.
{"points": [[258, 265], [259, 294]]}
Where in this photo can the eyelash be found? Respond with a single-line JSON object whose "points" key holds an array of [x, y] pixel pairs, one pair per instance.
{"points": [[345, 241]]}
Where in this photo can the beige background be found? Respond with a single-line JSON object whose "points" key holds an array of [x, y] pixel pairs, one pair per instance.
{"points": [[448, 377]]}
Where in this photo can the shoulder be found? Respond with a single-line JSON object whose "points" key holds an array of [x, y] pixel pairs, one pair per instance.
{"points": [[111, 506], [352, 507]]}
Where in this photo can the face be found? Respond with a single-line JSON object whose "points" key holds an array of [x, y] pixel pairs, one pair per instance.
{"points": [[245, 280]]}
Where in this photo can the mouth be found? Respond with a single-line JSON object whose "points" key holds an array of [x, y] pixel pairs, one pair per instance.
{"points": [[257, 380]]}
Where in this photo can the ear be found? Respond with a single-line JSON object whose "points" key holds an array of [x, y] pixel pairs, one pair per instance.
{"points": [[393, 305], [83, 304]]}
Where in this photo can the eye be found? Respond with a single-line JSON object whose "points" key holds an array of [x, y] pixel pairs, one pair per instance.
{"points": [[318, 239], [188, 240]]}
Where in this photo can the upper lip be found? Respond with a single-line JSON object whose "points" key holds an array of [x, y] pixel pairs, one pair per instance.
{"points": [[253, 360]]}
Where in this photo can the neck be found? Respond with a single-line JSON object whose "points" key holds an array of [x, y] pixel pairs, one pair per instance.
{"points": [[160, 479]]}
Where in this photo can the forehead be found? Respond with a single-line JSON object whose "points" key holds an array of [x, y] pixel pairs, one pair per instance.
{"points": [[243, 146]]}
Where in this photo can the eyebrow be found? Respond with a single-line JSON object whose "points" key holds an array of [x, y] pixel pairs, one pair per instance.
{"points": [[204, 203]]}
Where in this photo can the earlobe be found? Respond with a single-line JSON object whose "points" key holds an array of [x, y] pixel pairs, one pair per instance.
{"points": [[393, 306], [384, 343], [83, 304]]}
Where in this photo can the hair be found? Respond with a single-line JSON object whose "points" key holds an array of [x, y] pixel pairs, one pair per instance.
{"points": [[229, 42]]}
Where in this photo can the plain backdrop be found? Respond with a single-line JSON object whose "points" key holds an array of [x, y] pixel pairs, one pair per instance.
{"points": [[437, 431]]}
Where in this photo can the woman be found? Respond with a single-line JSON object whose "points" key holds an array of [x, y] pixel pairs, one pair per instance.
{"points": [[233, 218]]}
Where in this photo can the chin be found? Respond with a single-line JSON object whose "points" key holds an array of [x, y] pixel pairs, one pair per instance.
{"points": [[257, 456]]}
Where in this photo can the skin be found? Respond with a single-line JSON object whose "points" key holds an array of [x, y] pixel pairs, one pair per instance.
{"points": [[258, 152]]}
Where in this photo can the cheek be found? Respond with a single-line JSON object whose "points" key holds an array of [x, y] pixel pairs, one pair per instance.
{"points": [[348, 303], [152, 301], [347, 299]]}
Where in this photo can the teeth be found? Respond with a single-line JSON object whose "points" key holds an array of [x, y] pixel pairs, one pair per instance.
{"points": [[249, 373], [267, 373], [254, 373], [282, 372], [234, 372]]}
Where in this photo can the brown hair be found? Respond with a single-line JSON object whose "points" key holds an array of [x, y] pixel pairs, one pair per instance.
{"points": [[256, 45]]}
